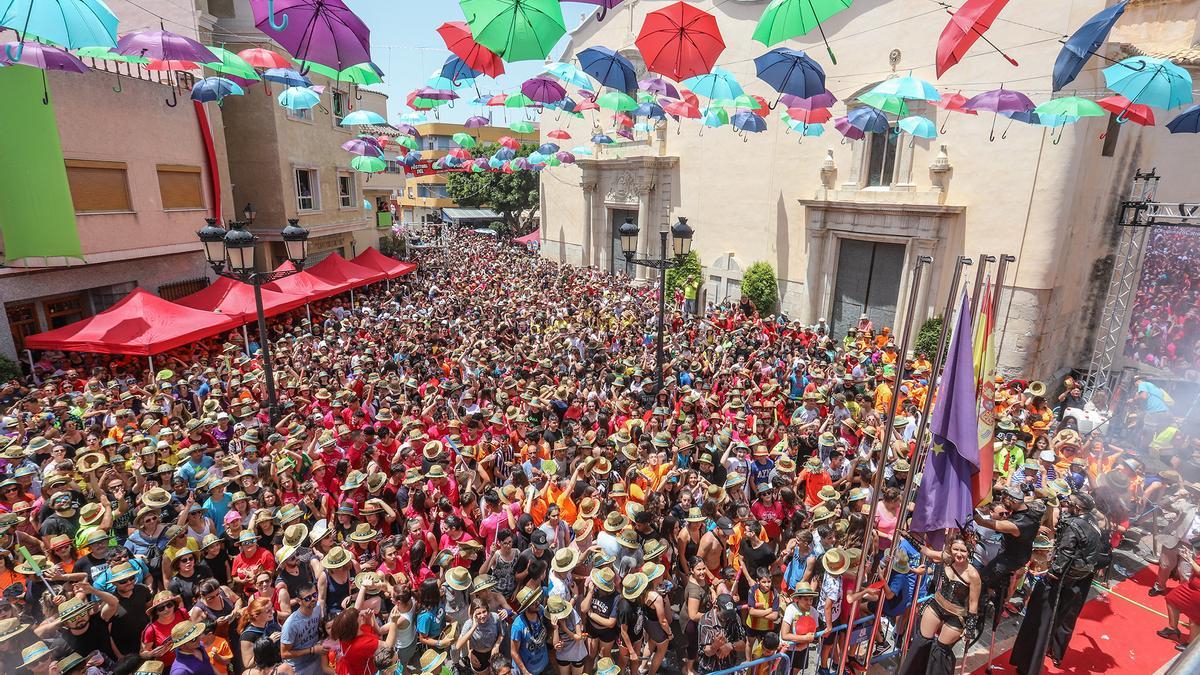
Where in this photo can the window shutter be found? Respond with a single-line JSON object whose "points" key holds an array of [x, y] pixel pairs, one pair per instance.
{"points": [[98, 186], [180, 187]]}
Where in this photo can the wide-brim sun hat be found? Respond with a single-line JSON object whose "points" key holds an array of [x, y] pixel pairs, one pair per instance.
{"points": [[336, 558], [186, 632], [634, 585]]}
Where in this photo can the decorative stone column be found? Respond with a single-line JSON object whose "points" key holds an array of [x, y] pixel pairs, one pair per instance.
{"points": [[590, 253], [939, 172], [649, 231], [828, 171]]}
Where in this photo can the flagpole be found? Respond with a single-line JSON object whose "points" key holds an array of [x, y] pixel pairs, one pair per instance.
{"points": [[947, 314], [886, 438], [1001, 270], [984, 259]]}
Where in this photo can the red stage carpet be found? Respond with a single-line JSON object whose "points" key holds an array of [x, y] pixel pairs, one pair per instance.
{"points": [[1115, 634]]}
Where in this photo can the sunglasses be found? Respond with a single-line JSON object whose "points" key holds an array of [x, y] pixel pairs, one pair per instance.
{"points": [[312, 597]]}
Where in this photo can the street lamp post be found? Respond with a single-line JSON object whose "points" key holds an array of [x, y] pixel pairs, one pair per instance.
{"points": [[230, 253], [681, 245]]}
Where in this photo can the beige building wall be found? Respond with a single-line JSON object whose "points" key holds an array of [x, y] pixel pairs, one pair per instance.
{"points": [[793, 202]]}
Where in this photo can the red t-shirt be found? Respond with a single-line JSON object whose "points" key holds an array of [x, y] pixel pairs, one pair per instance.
{"points": [[244, 566], [358, 655], [156, 635]]}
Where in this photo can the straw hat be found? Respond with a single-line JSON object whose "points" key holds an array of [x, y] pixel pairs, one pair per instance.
{"points": [[835, 561], [156, 498], [34, 652], [73, 607], [70, 662], [336, 558], [435, 472], [10, 628], [565, 560], [589, 508], [615, 522], [652, 549], [161, 598], [606, 666], [482, 583], [633, 585], [149, 668], [828, 494], [285, 553], [431, 661], [804, 590], [820, 513], [458, 578], [604, 579], [320, 530], [653, 571], [628, 538], [185, 632], [557, 608], [527, 598], [25, 568], [295, 535], [363, 533], [901, 565], [695, 515]]}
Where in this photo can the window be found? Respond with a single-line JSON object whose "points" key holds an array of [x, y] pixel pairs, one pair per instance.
{"points": [[178, 289], [107, 296], [339, 106], [180, 187], [410, 192], [22, 321], [881, 158], [304, 115], [97, 187], [432, 190], [345, 191], [1111, 134], [308, 190], [438, 143], [63, 310]]}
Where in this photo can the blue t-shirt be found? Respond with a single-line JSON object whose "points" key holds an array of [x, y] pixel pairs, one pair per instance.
{"points": [[1155, 401], [302, 632], [429, 623], [217, 510], [904, 586], [531, 642]]}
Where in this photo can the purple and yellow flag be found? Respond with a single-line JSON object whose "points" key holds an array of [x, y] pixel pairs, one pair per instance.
{"points": [[945, 497]]}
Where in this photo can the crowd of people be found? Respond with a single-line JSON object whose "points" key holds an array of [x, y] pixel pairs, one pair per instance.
{"points": [[1164, 328], [475, 471]]}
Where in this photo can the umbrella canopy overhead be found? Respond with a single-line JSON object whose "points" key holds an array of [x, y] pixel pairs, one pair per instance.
{"points": [[851, 132], [70, 24], [517, 30], [615, 100], [720, 83], [287, 76], [363, 145], [264, 58], [543, 89], [1070, 106], [748, 121], [298, 98], [1151, 81], [1186, 122], [1083, 43], [1137, 113], [868, 119], [456, 70], [42, 56], [374, 260], [999, 101], [920, 127], [680, 41], [791, 71], [609, 68], [571, 75], [362, 117], [787, 19], [908, 87], [228, 63], [322, 31], [459, 40], [215, 89], [967, 25], [164, 45]]}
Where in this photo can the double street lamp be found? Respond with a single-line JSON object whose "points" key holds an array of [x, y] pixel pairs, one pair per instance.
{"points": [[681, 245], [230, 253]]}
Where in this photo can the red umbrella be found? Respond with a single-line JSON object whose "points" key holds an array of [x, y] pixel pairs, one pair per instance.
{"points": [[680, 41], [1136, 112], [498, 99], [681, 109], [623, 120], [966, 26], [763, 108], [953, 103], [460, 153], [559, 134], [459, 40], [814, 116], [171, 65], [509, 142], [264, 58], [586, 105]]}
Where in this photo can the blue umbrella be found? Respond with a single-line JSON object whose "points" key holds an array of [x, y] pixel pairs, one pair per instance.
{"points": [[548, 148], [720, 83], [567, 104], [505, 154], [791, 71], [286, 76], [1151, 81], [359, 117], [602, 138], [643, 126], [456, 70], [652, 110], [215, 89], [495, 162], [1186, 122], [298, 98], [609, 68], [571, 75], [536, 157], [748, 121], [868, 119], [1083, 44], [921, 127]]}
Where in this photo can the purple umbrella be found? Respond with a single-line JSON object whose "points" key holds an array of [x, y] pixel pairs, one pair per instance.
{"points": [[604, 5], [436, 94], [565, 157], [165, 46], [474, 122], [822, 100], [584, 93], [659, 87], [324, 31], [999, 101], [363, 145], [521, 163], [43, 57], [407, 129], [842, 124], [543, 89], [625, 133]]}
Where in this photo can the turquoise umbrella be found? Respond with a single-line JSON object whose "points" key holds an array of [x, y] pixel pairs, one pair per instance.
{"points": [[720, 83], [581, 151], [907, 87], [298, 98], [569, 74], [361, 117], [70, 24], [1150, 81], [918, 127]]}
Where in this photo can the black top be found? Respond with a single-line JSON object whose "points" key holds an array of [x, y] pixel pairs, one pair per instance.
{"points": [[131, 619], [95, 638], [1016, 550], [605, 605]]}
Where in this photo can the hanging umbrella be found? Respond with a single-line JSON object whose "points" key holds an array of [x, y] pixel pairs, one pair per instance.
{"points": [[999, 101], [456, 70], [258, 57], [1154, 82], [651, 110], [602, 139], [362, 117], [1136, 113], [497, 100], [408, 142], [714, 117], [298, 98], [543, 89], [920, 127], [868, 119], [215, 89], [286, 76], [363, 145], [659, 87], [460, 153], [814, 116], [622, 120], [536, 157], [908, 88], [604, 5], [464, 140], [522, 127], [164, 46], [625, 133], [548, 148], [748, 121], [720, 83], [505, 154], [683, 108], [458, 39], [1083, 43], [581, 151], [509, 142], [571, 75], [70, 24], [791, 71], [680, 41], [228, 63], [475, 122], [967, 24], [824, 99], [517, 30], [609, 68], [518, 101], [368, 164], [1070, 106], [521, 164], [586, 105], [432, 94], [953, 103], [885, 102], [1186, 122], [565, 157], [106, 54], [157, 65], [322, 31], [615, 100], [848, 130], [361, 73], [559, 134], [43, 57], [787, 19]]}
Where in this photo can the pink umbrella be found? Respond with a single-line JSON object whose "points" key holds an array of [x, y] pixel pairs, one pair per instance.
{"points": [[953, 103], [842, 124]]}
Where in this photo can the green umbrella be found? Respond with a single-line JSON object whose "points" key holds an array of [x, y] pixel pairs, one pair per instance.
{"points": [[553, 161], [463, 140], [105, 54], [367, 164], [1073, 106], [522, 127], [886, 102], [517, 30], [231, 64], [363, 73], [518, 101], [616, 100], [786, 19], [408, 142]]}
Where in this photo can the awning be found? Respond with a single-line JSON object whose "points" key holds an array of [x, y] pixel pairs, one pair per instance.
{"points": [[456, 215], [303, 284], [373, 259], [141, 324], [236, 299], [536, 235], [337, 270]]}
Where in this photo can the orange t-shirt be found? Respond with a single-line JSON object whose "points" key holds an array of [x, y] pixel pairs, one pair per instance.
{"points": [[813, 482]]}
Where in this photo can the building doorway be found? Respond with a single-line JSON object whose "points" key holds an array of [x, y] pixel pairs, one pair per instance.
{"points": [[618, 264], [868, 282]]}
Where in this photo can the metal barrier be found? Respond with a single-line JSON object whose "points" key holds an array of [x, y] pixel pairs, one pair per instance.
{"points": [[749, 665]]}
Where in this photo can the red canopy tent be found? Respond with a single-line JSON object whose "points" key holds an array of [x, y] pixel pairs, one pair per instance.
{"points": [[337, 270], [304, 284], [536, 235], [141, 323], [374, 260], [236, 299]]}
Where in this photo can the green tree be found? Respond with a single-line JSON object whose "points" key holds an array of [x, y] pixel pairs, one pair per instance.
{"points": [[677, 276], [927, 338], [761, 286], [9, 370], [513, 195]]}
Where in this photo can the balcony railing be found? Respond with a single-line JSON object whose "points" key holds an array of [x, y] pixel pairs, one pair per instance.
{"points": [[185, 79]]}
